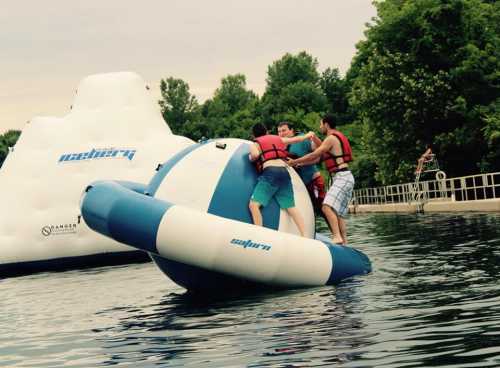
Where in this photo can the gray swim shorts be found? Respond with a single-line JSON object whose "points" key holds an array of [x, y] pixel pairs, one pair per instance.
{"points": [[340, 192]]}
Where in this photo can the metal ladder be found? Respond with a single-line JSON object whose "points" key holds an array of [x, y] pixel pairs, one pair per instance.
{"points": [[420, 197]]}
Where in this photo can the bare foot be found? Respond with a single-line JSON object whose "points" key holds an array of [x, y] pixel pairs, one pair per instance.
{"points": [[337, 240]]}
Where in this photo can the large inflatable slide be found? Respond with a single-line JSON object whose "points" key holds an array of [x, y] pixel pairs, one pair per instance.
{"points": [[113, 130], [111, 179]]}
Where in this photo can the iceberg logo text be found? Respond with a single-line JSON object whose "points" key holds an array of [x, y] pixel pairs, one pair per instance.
{"points": [[98, 153]]}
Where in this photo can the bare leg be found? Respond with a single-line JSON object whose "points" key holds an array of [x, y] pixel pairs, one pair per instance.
{"points": [[343, 230], [255, 212], [297, 218], [333, 221], [419, 165]]}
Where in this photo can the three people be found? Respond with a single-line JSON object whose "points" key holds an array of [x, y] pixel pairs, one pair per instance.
{"points": [[309, 174], [336, 152], [269, 153]]}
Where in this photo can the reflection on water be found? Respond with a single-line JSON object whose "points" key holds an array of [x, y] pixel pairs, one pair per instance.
{"points": [[432, 300]]}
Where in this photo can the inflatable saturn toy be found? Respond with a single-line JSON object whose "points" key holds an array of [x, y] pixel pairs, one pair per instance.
{"points": [[193, 219]]}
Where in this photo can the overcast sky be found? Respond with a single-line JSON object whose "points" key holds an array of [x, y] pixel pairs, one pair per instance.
{"points": [[47, 47]]}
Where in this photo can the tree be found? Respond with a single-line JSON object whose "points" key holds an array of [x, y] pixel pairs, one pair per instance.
{"points": [[178, 106], [293, 84], [491, 116], [8, 139], [233, 109], [3, 152], [429, 72], [234, 94], [336, 91]]}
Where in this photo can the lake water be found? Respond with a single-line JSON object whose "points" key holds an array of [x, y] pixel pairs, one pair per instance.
{"points": [[433, 299]]}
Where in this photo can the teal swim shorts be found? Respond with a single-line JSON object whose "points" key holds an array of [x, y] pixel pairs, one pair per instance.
{"points": [[274, 182]]}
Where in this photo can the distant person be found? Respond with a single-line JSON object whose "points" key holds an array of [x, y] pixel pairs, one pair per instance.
{"points": [[336, 153], [269, 152], [309, 174], [426, 157]]}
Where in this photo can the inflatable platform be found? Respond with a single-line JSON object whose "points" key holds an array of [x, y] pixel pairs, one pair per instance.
{"points": [[113, 130], [193, 219]]}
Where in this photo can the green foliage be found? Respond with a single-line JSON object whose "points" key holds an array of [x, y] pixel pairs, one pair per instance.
{"points": [[291, 69], [233, 110], [293, 86], [295, 92], [3, 152], [491, 130], [428, 71], [363, 167], [230, 113], [179, 108], [336, 91], [395, 103], [234, 95], [8, 139]]}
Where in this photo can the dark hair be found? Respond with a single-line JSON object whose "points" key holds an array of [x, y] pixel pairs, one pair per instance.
{"points": [[287, 123], [259, 130], [330, 120]]}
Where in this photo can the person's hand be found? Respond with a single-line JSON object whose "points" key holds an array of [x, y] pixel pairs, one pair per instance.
{"points": [[309, 135]]}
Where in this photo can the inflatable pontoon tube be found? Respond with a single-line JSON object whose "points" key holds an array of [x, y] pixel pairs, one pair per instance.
{"points": [[228, 248]]}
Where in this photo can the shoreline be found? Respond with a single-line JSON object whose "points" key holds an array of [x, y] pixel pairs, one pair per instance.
{"points": [[479, 205]]}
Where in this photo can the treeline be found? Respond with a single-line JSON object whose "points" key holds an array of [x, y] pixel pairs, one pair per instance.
{"points": [[296, 91], [428, 72], [8, 139]]}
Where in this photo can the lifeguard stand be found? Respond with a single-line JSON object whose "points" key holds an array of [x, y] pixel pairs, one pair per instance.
{"points": [[429, 165]]}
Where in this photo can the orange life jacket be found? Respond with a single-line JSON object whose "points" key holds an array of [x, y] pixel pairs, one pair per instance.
{"points": [[272, 148], [330, 160]]}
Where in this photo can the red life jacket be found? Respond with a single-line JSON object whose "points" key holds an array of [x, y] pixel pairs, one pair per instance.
{"points": [[272, 148], [330, 160]]}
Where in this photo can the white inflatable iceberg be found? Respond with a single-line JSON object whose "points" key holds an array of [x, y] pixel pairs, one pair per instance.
{"points": [[114, 130]]}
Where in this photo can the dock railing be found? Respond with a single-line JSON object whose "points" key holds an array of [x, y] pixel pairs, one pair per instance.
{"points": [[465, 188]]}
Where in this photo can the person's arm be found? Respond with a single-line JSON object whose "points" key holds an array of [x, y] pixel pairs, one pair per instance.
{"points": [[298, 138], [315, 141], [254, 152], [310, 161], [426, 156], [314, 156]]}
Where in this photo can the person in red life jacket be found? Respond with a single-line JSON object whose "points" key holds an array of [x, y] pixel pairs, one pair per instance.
{"points": [[309, 174], [336, 153], [269, 151]]}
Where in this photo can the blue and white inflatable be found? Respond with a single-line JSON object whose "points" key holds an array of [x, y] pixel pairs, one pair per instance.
{"points": [[193, 219]]}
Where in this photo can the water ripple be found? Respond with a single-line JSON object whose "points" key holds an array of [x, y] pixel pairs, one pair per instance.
{"points": [[432, 300]]}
